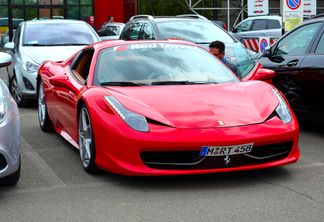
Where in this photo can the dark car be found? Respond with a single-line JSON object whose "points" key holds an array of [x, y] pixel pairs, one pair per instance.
{"points": [[194, 28], [298, 59]]}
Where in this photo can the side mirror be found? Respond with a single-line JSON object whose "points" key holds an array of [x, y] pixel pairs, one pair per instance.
{"points": [[267, 52], [265, 75], [10, 45], [5, 59]]}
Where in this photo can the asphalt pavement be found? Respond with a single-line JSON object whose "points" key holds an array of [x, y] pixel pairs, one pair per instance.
{"points": [[54, 187]]}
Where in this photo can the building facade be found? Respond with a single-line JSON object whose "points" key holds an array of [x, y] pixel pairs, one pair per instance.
{"points": [[94, 12]]}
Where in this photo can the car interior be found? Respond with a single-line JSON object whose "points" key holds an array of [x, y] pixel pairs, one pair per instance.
{"points": [[81, 67]]}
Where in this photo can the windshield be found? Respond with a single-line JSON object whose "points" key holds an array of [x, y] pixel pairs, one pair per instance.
{"points": [[157, 64], [112, 30], [56, 34], [241, 58], [192, 30]]}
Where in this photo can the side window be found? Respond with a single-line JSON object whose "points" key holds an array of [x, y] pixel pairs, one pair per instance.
{"points": [[297, 42], [147, 32], [274, 24], [320, 46], [81, 66], [244, 26], [131, 33], [259, 24]]}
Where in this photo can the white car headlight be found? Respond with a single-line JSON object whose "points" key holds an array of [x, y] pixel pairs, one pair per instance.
{"points": [[29, 65], [282, 109], [134, 120]]}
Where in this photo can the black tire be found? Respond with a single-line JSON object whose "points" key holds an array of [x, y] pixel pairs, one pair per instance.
{"points": [[88, 163], [13, 178], [15, 92], [43, 118]]}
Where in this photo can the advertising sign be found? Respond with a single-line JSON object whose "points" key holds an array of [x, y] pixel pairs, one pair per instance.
{"points": [[263, 43], [309, 8], [258, 7], [292, 13]]}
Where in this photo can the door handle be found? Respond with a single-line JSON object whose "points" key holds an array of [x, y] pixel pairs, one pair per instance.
{"points": [[292, 63]]}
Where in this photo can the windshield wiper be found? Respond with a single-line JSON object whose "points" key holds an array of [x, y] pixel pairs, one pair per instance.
{"points": [[35, 44], [72, 44], [181, 82], [202, 42], [121, 84]]}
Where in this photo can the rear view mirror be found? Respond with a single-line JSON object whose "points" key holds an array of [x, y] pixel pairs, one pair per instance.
{"points": [[265, 75], [9, 45], [5, 59], [267, 52]]}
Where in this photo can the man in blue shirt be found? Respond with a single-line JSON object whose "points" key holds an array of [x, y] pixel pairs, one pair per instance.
{"points": [[217, 48]]}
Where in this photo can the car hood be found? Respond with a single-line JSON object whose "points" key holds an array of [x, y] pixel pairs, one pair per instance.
{"points": [[54, 53], [200, 106]]}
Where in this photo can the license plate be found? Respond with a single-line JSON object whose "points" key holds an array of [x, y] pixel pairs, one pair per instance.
{"points": [[225, 150]]}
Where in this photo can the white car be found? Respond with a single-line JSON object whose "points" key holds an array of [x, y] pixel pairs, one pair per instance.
{"points": [[40, 40], [266, 26], [111, 30]]}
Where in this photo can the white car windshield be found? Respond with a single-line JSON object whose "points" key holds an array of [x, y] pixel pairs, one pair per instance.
{"points": [[57, 34], [159, 64]]}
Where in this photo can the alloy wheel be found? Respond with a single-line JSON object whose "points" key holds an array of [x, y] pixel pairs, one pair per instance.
{"points": [[15, 91], [85, 137], [41, 105]]}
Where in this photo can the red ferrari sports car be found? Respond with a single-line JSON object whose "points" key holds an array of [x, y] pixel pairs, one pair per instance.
{"points": [[164, 108]]}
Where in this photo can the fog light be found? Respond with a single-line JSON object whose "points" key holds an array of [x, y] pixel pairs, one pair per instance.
{"points": [[28, 84]]}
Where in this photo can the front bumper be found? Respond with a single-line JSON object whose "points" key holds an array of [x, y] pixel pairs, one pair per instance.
{"points": [[10, 141], [26, 82], [120, 150]]}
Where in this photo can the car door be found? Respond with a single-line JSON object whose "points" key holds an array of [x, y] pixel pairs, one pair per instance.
{"points": [[67, 97], [312, 78], [273, 28], [242, 29], [286, 57], [258, 28]]}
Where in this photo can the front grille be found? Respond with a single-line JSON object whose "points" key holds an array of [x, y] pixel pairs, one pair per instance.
{"points": [[171, 157], [3, 162], [192, 160]]}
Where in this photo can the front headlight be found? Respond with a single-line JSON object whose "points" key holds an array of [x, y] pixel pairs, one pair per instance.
{"points": [[29, 65], [134, 120], [282, 110]]}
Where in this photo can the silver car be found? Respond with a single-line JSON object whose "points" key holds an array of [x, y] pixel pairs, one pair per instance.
{"points": [[9, 132], [265, 26], [39, 40]]}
